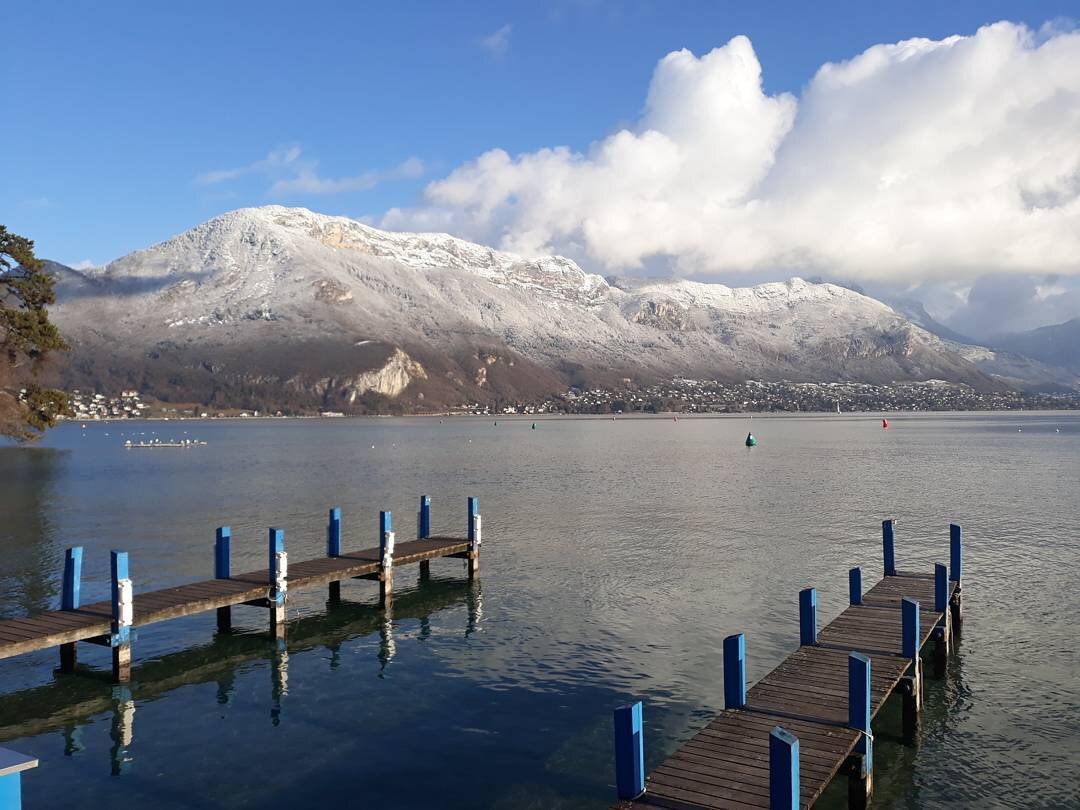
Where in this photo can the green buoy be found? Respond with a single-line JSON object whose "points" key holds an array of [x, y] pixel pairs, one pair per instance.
{"points": [[534, 426], [750, 440]]}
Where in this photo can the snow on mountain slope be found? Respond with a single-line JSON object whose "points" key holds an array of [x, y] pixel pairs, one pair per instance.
{"points": [[287, 299]]}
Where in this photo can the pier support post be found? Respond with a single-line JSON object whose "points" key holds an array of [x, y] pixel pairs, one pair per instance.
{"points": [[278, 590], [735, 672], [854, 581], [423, 532], [386, 557], [956, 560], [122, 616], [629, 751], [69, 600], [888, 546], [474, 537], [223, 570], [860, 764], [911, 683], [12, 764], [333, 549], [783, 770], [808, 617], [942, 631]]}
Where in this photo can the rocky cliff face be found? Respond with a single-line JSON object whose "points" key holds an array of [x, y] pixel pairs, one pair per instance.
{"points": [[324, 311]]}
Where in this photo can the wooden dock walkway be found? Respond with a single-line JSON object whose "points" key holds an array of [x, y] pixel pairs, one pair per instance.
{"points": [[110, 623], [780, 743]]}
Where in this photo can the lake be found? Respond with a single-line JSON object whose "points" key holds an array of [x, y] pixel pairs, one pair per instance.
{"points": [[617, 556]]}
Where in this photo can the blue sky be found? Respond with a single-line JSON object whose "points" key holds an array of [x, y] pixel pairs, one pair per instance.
{"points": [[115, 110]]}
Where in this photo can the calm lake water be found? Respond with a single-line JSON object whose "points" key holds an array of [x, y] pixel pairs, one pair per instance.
{"points": [[617, 556]]}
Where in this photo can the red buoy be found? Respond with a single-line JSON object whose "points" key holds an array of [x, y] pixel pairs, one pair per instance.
{"points": [[885, 423]]}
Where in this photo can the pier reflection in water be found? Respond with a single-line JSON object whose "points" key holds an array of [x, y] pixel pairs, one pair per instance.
{"points": [[74, 707]]}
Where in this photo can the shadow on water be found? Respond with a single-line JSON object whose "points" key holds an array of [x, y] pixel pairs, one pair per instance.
{"points": [[70, 700], [28, 576]]}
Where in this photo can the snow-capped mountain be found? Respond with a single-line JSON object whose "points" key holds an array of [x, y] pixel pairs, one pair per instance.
{"points": [[303, 308]]}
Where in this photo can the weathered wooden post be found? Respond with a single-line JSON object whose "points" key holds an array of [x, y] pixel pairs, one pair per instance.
{"points": [[783, 770], [888, 546], [223, 570], [123, 616], [956, 560], [629, 751], [941, 629], [808, 616], [278, 590], [854, 583], [911, 683], [333, 548], [386, 560], [861, 761], [12, 764], [423, 532], [735, 672], [69, 600], [474, 537]]}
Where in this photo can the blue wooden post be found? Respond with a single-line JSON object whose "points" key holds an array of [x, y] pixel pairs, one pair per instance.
{"points": [[956, 552], [910, 627], [783, 770], [941, 588], [223, 570], [423, 528], [12, 764], [72, 578], [888, 546], [473, 562], [854, 586], [807, 616], [386, 557], [735, 671], [69, 600], [223, 553], [473, 511], [333, 533], [122, 615], [860, 784], [278, 568], [629, 751]]}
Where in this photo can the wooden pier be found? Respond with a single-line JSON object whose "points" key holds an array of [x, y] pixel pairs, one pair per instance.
{"points": [[780, 743], [111, 623]]}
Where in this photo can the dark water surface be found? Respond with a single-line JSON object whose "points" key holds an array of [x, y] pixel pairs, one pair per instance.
{"points": [[617, 555]]}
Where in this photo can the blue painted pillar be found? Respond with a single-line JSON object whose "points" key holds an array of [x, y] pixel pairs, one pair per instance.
{"points": [[941, 588], [223, 553], [854, 583], [223, 570], [807, 616], [956, 552], [629, 751], [333, 533], [423, 526], [69, 600], [735, 671], [123, 615], [386, 557], [860, 784], [278, 570], [12, 764], [910, 627], [72, 578], [473, 509], [783, 770], [473, 561], [888, 546]]}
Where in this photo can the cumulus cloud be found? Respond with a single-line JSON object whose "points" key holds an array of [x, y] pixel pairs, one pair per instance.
{"points": [[917, 160]]}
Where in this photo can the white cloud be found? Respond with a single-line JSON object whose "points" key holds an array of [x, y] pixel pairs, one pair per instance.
{"points": [[497, 43], [916, 160], [307, 180], [275, 161]]}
